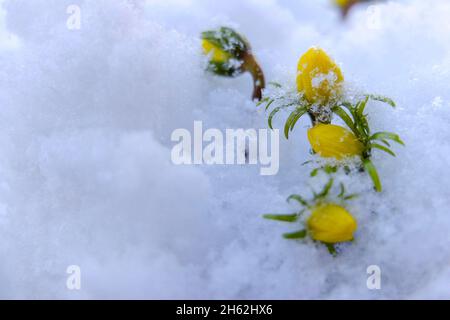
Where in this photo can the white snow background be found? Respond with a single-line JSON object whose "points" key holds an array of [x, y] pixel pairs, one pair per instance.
{"points": [[86, 177]]}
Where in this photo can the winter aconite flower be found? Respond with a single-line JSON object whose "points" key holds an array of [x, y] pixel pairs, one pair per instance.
{"points": [[328, 222], [319, 78], [331, 223], [319, 88], [230, 55], [332, 141], [321, 96]]}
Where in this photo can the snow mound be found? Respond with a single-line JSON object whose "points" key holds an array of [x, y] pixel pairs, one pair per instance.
{"points": [[86, 177]]}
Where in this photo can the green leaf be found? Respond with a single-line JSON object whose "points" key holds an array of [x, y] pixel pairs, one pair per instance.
{"points": [[360, 120], [351, 196], [295, 235], [263, 100], [314, 172], [361, 106], [330, 169], [364, 124], [348, 105], [345, 117], [382, 148], [372, 171], [271, 115], [342, 193], [292, 120], [299, 112], [382, 99], [385, 142], [387, 136], [275, 84], [269, 103], [352, 110], [297, 198], [325, 190], [282, 217]]}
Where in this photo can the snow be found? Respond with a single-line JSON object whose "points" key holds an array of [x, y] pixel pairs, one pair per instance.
{"points": [[86, 176]]}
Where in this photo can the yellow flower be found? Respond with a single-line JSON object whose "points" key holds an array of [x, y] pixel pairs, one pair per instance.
{"points": [[217, 55], [318, 76], [342, 3], [345, 5], [331, 223], [331, 141]]}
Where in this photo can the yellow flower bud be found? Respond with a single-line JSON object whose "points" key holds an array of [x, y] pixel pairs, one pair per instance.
{"points": [[319, 78], [345, 5], [231, 55], [342, 3], [217, 55], [332, 141], [331, 223]]}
